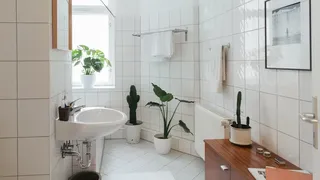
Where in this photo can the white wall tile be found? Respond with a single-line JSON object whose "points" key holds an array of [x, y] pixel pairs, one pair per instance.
{"points": [[8, 157], [188, 70], [8, 178], [104, 99], [33, 113], [8, 80], [189, 15], [288, 84], [175, 18], [305, 85], [268, 79], [252, 75], [252, 104], [35, 74], [154, 21], [7, 11], [91, 99], [306, 129], [238, 47], [127, 38], [288, 148], [251, 15], [40, 177], [239, 74], [269, 138], [128, 23], [184, 146], [28, 13], [164, 19], [288, 116], [39, 35], [8, 44], [306, 157], [252, 45], [31, 149], [175, 70], [128, 53], [255, 131], [239, 19], [128, 69], [188, 87], [8, 118], [268, 110]]}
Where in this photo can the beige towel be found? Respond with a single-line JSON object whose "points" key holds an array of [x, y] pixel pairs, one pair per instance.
{"points": [[224, 58]]}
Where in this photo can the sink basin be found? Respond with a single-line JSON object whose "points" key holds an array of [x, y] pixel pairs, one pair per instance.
{"points": [[90, 123]]}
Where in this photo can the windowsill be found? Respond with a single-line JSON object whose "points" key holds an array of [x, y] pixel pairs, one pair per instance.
{"points": [[94, 89]]}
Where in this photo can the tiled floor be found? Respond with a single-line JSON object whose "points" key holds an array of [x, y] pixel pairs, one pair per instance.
{"points": [[123, 159]]}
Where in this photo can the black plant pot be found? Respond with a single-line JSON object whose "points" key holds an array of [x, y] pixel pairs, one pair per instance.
{"points": [[86, 175], [64, 113]]}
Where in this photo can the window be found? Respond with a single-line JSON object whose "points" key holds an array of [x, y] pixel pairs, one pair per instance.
{"points": [[92, 27]]}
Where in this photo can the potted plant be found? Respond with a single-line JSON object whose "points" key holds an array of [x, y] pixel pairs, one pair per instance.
{"points": [[240, 133], [91, 60], [162, 141], [133, 126]]}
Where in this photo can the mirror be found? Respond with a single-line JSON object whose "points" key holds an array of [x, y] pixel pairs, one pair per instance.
{"points": [[62, 24]]}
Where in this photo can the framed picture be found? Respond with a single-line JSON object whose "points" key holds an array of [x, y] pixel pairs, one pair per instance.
{"points": [[288, 34]]}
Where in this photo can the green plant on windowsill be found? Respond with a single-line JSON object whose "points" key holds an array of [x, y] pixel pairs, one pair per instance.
{"points": [[91, 60]]}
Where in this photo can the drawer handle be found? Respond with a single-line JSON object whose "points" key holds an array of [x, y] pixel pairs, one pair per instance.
{"points": [[224, 168]]}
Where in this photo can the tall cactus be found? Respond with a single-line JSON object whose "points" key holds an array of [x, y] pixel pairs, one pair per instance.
{"points": [[133, 100], [238, 113]]}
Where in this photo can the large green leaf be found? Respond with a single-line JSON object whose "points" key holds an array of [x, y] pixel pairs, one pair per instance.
{"points": [[184, 127], [77, 63], [87, 61], [97, 64], [76, 55], [184, 101], [154, 104], [158, 91], [166, 98]]}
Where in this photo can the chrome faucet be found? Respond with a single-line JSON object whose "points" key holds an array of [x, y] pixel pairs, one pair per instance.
{"points": [[75, 109]]}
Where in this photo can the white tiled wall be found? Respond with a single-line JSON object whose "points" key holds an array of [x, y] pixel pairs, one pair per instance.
{"points": [[179, 75], [30, 77], [272, 98]]}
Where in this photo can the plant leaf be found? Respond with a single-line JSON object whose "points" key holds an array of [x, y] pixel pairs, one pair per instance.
{"points": [[158, 91], [184, 101], [77, 63], [184, 127], [76, 55], [154, 104], [97, 64], [166, 98]]}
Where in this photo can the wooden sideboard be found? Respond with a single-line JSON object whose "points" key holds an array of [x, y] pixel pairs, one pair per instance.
{"points": [[237, 159]]}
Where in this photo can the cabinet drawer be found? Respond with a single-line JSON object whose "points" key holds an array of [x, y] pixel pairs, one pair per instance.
{"points": [[213, 166]]}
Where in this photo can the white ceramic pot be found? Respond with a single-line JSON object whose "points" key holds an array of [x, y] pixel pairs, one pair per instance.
{"points": [[163, 146], [240, 136], [133, 132], [88, 81]]}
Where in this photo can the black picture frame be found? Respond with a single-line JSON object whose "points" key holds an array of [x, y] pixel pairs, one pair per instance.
{"points": [[266, 38]]}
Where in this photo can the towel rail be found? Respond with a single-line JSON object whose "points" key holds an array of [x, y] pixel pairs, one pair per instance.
{"points": [[173, 30]]}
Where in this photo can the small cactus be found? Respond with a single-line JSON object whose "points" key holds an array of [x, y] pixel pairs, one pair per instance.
{"points": [[238, 113], [133, 100]]}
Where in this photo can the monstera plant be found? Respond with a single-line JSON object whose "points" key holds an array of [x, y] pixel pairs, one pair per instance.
{"points": [[163, 141], [91, 61]]}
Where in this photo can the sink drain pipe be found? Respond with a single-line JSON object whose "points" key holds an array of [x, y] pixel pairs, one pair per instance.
{"points": [[67, 150]]}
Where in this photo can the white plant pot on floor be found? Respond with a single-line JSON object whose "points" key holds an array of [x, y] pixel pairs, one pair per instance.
{"points": [[133, 132], [88, 81], [240, 136], [163, 146]]}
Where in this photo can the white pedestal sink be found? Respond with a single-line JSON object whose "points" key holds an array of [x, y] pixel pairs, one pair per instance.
{"points": [[91, 123]]}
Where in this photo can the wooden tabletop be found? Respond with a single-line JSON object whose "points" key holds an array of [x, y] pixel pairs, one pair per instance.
{"points": [[242, 158]]}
